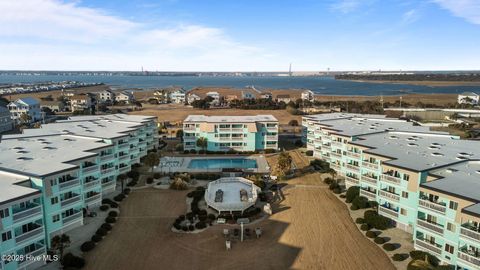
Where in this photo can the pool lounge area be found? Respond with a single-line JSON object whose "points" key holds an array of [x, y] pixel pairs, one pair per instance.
{"points": [[254, 164]]}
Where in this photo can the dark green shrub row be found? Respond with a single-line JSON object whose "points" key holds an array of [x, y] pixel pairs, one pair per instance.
{"points": [[359, 220], [104, 207], [309, 153], [87, 246], [379, 240], [399, 257], [352, 193], [110, 220], [206, 176], [72, 261], [364, 227], [113, 214], [149, 180], [376, 221], [389, 247], [371, 234], [96, 238]]}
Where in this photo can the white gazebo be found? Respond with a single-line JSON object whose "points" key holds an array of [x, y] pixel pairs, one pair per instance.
{"points": [[231, 194]]}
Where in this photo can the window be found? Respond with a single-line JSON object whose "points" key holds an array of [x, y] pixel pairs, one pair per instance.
{"points": [[403, 211], [405, 194], [406, 177], [449, 249], [451, 227], [54, 200], [53, 182], [4, 213], [55, 218], [6, 236], [453, 205]]}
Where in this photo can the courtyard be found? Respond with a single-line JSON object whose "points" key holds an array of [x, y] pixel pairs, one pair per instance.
{"points": [[309, 229]]}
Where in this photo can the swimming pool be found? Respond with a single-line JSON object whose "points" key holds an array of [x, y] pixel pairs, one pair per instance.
{"points": [[221, 163]]}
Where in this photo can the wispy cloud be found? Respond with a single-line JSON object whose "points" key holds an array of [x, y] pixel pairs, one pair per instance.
{"points": [[466, 9], [348, 6], [410, 16], [89, 38]]}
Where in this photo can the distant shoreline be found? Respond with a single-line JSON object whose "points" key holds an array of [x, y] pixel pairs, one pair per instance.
{"points": [[422, 83]]}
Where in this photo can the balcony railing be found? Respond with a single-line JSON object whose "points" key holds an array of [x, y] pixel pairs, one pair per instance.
{"points": [[90, 169], [370, 165], [352, 180], [387, 212], [69, 184], [430, 226], [93, 198], [108, 184], [391, 179], [269, 137], [189, 138], [29, 235], [337, 144], [369, 179], [432, 206], [123, 145], [469, 258], [389, 195], [237, 129], [368, 194], [27, 213], [108, 170], [124, 157], [123, 169], [335, 166], [335, 154], [435, 248], [189, 128], [327, 146], [70, 201], [77, 215], [91, 184], [352, 167], [24, 261], [224, 138], [465, 231], [237, 139], [106, 158], [353, 155]]}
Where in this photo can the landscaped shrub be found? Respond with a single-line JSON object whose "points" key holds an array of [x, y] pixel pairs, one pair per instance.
{"points": [[352, 193], [119, 197], [328, 181], [211, 216], [399, 257], [106, 226], [337, 190], [72, 261], [353, 207], [193, 151], [379, 240], [389, 247], [371, 234], [104, 207], [106, 201], [186, 151], [360, 202], [270, 151], [376, 221], [373, 204], [102, 232], [149, 180], [184, 228], [343, 196], [114, 205], [134, 175], [87, 246], [110, 220], [309, 153], [365, 227], [157, 175], [96, 238], [177, 226], [420, 255], [200, 225], [359, 220], [201, 152], [126, 191], [113, 214], [333, 185], [191, 228]]}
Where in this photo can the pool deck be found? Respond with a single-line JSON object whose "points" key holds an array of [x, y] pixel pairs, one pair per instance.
{"points": [[231, 187], [180, 164]]}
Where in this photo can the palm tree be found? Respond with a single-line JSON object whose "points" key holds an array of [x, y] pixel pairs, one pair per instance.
{"points": [[121, 178], [284, 162], [152, 160], [60, 243], [202, 142]]}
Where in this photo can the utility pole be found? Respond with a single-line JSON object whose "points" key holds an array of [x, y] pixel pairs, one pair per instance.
{"points": [[400, 101], [381, 100]]}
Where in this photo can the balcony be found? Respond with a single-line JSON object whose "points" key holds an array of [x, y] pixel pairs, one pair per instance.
{"points": [[272, 128], [124, 169], [69, 184], [335, 166], [91, 184], [352, 180], [27, 213], [189, 138], [93, 198], [70, 201], [369, 179], [391, 179], [189, 128], [372, 196], [382, 210], [353, 155], [469, 257], [24, 261], [271, 138], [237, 129], [389, 195], [369, 165], [106, 158], [335, 154], [124, 157], [37, 232], [337, 144], [436, 228], [237, 139], [74, 217], [352, 167], [90, 169], [109, 184], [469, 232], [424, 244], [122, 145], [108, 170], [224, 138], [432, 206], [327, 146]]}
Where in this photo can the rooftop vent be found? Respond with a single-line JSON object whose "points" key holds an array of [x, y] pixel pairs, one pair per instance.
{"points": [[433, 147], [436, 154], [477, 171], [18, 148], [461, 158], [393, 137], [412, 144], [22, 152], [24, 158], [390, 128], [451, 170], [464, 154]]}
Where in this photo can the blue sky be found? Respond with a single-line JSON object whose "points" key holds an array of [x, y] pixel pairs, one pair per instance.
{"points": [[247, 35]]}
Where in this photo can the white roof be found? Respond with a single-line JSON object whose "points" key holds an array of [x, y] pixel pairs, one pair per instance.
{"points": [[231, 119], [231, 187], [12, 187]]}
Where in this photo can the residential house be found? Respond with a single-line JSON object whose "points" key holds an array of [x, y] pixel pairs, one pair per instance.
{"points": [[266, 96], [177, 96], [25, 106], [468, 98], [106, 96], [125, 97], [284, 98], [192, 97], [308, 95], [81, 102]]}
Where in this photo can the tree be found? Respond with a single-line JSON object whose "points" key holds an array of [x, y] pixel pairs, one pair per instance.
{"points": [[284, 163], [202, 142], [25, 118], [152, 160], [60, 243], [179, 135], [293, 123], [332, 172], [121, 178]]}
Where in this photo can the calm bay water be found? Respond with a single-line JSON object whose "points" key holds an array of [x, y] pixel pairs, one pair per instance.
{"points": [[320, 85]]}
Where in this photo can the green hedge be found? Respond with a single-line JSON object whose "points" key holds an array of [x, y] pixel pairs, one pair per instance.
{"points": [[379, 240], [371, 234], [398, 257], [359, 220], [352, 193], [87, 246], [365, 227], [389, 247]]}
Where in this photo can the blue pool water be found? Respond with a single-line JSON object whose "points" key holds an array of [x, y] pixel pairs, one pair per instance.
{"points": [[220, 163]]}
